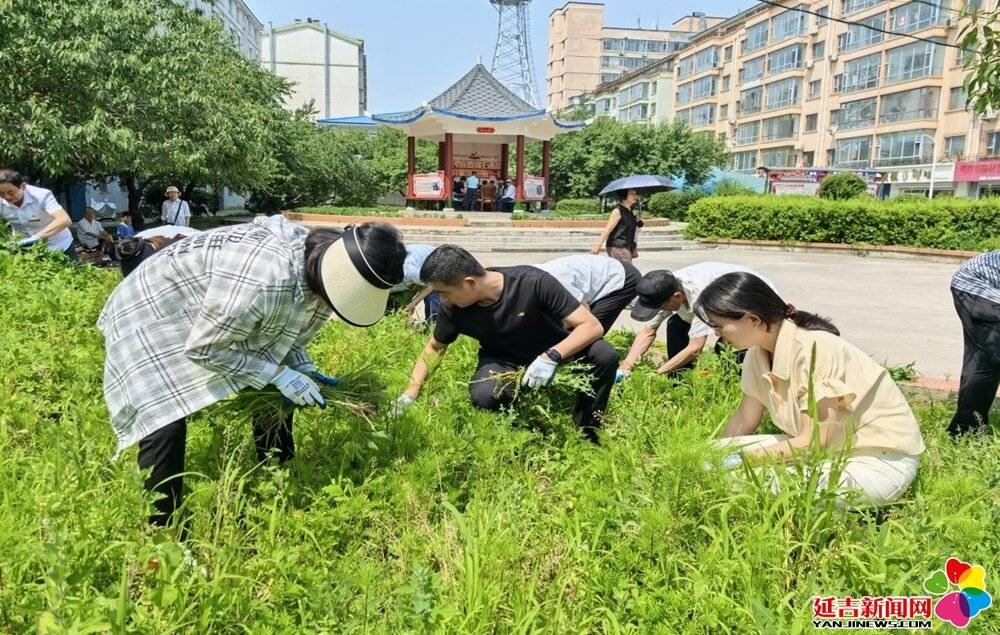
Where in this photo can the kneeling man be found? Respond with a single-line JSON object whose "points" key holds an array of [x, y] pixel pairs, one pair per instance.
{"points": [[521, 316]]}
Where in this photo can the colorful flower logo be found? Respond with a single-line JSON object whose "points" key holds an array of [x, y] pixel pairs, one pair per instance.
{"points": [[959, 606]]}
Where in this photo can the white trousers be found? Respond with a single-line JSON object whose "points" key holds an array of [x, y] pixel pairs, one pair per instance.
{"points": [[880, 477]]}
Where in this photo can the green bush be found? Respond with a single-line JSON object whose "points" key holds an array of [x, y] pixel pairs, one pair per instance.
{"points": [[384, 210], [842, 186], [947, 223], [674, 204], [575, 206], [729, 187]]}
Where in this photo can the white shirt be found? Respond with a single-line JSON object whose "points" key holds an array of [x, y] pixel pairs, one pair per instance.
{"points": [[693, 281], [588, 278], [168, 231], [175, 212], [510, 192], [87, 228], [416, 254], [34, 214]]}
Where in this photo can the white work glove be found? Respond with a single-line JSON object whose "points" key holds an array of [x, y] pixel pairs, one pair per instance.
{"points": [[539, 373], [621, 374], [399, 406], [298, 388], [732, 461]]}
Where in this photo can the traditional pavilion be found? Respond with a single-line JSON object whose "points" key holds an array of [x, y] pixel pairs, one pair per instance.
{"points": [[475, 122]]}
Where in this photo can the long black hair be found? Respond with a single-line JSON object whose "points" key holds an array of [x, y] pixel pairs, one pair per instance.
{"points": [[381, 244], [736, 294]]}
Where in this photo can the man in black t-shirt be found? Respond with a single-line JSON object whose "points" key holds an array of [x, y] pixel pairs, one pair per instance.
{"points": [[521, 316]]}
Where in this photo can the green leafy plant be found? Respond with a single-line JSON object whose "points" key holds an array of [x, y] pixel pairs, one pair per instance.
{"points": [[577, 206], [674, 204], [842, 186]]}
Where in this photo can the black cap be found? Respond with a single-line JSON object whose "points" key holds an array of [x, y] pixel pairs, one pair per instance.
{"points": [[654, 289]]}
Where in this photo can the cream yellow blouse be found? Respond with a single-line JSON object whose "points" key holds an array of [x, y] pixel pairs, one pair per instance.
{"points": [[877, 419]]}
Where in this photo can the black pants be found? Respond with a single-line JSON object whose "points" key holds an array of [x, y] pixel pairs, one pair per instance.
{"points": [[678, 339], [608, 308], [980, 362], [163, 451], [489, 394]]}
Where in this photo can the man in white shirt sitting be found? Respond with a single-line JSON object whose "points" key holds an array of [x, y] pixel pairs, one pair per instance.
{"points": [[90, 232], [508, 196], [34, 215]]}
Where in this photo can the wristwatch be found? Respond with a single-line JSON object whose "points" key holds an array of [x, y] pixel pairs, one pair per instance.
{"points": [[554, 355]]}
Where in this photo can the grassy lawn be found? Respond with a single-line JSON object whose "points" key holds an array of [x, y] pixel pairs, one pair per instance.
{"points": [[447, 519]]}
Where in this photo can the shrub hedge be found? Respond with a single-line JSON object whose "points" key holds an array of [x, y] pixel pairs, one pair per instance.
{"points": [[575, 206], [674, 204], [947, 223], [385, 210]]}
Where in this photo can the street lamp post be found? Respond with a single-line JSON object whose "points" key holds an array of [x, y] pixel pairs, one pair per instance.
{"points": [[930, 189]]}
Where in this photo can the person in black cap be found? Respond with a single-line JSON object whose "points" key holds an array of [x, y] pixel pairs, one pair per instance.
{"points": [[521, 316], [670, 297]]}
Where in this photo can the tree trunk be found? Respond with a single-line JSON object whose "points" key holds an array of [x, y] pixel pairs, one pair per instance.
{"points": [[135, 187]]}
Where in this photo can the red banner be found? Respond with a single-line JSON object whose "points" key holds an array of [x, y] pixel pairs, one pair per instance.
{"points": [[974, 171]]}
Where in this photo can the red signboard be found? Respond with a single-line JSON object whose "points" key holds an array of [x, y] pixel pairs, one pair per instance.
{"points": [[485, 130], [974, 171]]}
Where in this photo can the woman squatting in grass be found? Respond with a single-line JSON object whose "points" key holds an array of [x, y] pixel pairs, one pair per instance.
{"points": [[862, 412]]}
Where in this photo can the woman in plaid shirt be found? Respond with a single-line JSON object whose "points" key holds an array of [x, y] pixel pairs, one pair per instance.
{"points": [[228, 309]]}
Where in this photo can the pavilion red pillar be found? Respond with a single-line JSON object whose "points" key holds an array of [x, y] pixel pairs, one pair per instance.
{"points": [[519, 173], [441, 155], [411, 164], [449, 177], [504, 160], [546, 155]]}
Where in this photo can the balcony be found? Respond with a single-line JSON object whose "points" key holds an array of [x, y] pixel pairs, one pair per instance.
{"points": [[899, 74], [855, 82], [908, 115]]}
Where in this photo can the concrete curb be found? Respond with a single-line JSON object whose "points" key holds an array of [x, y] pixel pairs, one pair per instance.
{"points": [[888, 251]]}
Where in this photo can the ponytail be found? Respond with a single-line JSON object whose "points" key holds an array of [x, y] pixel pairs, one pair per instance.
{"points": [[733, 295]]}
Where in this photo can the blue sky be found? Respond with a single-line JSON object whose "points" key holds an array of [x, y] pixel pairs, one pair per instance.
{"points": [[417, 48]]}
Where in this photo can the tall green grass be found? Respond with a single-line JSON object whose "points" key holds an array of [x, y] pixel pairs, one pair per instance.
{"points": [[447, 519]]}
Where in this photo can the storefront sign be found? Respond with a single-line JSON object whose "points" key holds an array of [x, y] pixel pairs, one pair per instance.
{"points": [[534, 188], [974, 171], [428, 187]]}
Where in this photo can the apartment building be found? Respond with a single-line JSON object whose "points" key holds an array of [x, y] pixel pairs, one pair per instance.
{"points": [[789, 87], [238, 19], [584, 53], [642, 96]]}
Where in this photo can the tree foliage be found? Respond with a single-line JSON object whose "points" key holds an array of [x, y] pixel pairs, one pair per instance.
{"points": [[980, 39], [842, 186]]}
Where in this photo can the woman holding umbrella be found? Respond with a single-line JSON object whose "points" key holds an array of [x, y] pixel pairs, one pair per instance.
{"points": [[619, 234]]}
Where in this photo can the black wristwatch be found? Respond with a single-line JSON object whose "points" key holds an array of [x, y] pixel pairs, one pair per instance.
{"points": [[554, 355]]}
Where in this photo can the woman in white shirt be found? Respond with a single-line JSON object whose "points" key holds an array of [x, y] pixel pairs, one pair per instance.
{"points": [[862, 415], [175, 210]]}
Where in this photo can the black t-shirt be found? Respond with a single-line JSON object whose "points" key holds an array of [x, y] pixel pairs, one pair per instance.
{"points": [[525, 322]]}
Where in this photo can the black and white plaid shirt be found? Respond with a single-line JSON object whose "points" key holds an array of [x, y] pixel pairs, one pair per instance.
{"points": [[203, 318], [980, 276]]}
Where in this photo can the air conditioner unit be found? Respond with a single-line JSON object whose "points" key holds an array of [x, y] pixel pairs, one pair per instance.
{"points": [[814, 31], [732, 121], [810, 64], [989, 115], [832, 57]]}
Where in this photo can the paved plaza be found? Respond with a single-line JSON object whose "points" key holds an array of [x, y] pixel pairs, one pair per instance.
{"points": [[897, 310]]}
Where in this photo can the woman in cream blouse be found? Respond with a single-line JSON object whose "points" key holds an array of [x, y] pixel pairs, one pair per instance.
{"points": [[861, 411]]}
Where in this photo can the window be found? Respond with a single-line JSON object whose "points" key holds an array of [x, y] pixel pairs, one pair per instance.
{"points": [[811, 123], [652, 110], [904, 148], [808, 159], [954, 147], [920, 59], [652, 88], [703, 88], [818, 50], [993, 144], [609, 77], [783, 127], [638, 91], [784, 93], [916, 16], [853, 6], [859, 74], [822, 18], [831, 155], [637, 112], [706, 59], [683, 115], [747, 133], [752, 70], [785, 59], [728, 53], [603, 106], [858, 35], [787, 24], [725, 82], [745, 161], [684, 94], [756, 38], [685, 66], [783, 157], [815, 86], [853, 152], [957, 98], [623, 97], [855, 114], [751, 100], [703, 115], [723, 111], [921, 103]]}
